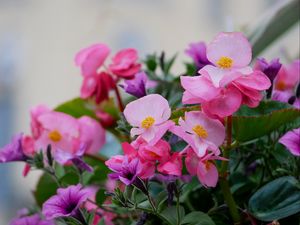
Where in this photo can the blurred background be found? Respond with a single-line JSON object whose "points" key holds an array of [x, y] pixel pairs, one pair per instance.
{"points": [[38, 41]]}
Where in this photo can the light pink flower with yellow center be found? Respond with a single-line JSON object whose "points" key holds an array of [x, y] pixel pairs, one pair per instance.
{"points": [[200, 132], [149, 117], [230, 54]]}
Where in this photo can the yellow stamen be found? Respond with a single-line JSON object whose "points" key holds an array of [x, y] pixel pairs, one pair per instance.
{"points": [[200, 131], [225, 62], [55, 136], [148, 122]]}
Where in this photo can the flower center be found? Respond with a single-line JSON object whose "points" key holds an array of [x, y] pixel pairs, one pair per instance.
{"points": [[225, 62], [200, 131], [55, 136], [280, 85], [148, 122]]}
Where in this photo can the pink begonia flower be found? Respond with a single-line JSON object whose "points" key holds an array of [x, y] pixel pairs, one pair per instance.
{"points": [[203, 167], [58, 129], [124, 63], [200, 132], [230, 54], [65, 132], [229, 82], [97, 86], [291, 140], [160, 152], [288, 76], [90, 59], [173, 166], [149, 117], [286, 81]]}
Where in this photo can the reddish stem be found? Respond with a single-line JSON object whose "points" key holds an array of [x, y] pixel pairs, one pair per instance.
{"points": [[120, 103]]}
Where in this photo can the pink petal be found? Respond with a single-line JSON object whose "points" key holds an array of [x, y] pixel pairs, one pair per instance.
{"points": [[225, 104], [256, 80], [91, 133], [199, 86], [208, 174]]}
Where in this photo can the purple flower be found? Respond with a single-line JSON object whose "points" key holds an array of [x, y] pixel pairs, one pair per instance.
{"points": [[197, 51], [138, 85], [62, 157], [31, 220], [127, 172], [271, 69], [291, 140], [66, 202], [13, 151]]}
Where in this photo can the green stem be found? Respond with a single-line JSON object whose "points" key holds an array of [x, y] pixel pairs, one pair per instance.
{"points": [[177, 210], [224, 184]]}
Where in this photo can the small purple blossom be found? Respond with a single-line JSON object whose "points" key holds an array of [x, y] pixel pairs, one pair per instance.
{"points": [[31, 220], [62, 157], [271, 69], [66, 202], [197, 51], [138, 85], [291, 140], [127, 172], [13, 151]]}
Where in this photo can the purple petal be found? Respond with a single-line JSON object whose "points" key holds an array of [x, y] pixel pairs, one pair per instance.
{"points": [[83, 166], [65, 202], [197, 51], [13, 151], [291, 140]]}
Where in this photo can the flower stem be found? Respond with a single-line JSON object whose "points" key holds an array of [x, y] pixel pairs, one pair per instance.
{"points": [[96, 157], [120, 103], [224, 184]]}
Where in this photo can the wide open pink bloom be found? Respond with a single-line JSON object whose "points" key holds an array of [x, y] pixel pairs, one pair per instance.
{"points": [[230, 54], [90, 59], [200, 132], [149, 117], [124, 63], [58, 129], [291, 140]]}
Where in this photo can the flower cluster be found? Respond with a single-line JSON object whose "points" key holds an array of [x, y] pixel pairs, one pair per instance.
{"points": [[166, 143]]}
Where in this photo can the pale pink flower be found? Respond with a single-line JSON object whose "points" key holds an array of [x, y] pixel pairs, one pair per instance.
{"points": [[229, 82], [124, 63], [230, 54], [200, 132], [149, 117], [58, 129]]}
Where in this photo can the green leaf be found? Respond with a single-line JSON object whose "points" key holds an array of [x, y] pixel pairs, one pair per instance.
{"points": [[76, 107], [274, 23], [170, 215], [197, 218], [100, 197], [45, 188], [71, 178], [252, 123], [276, 200]]}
